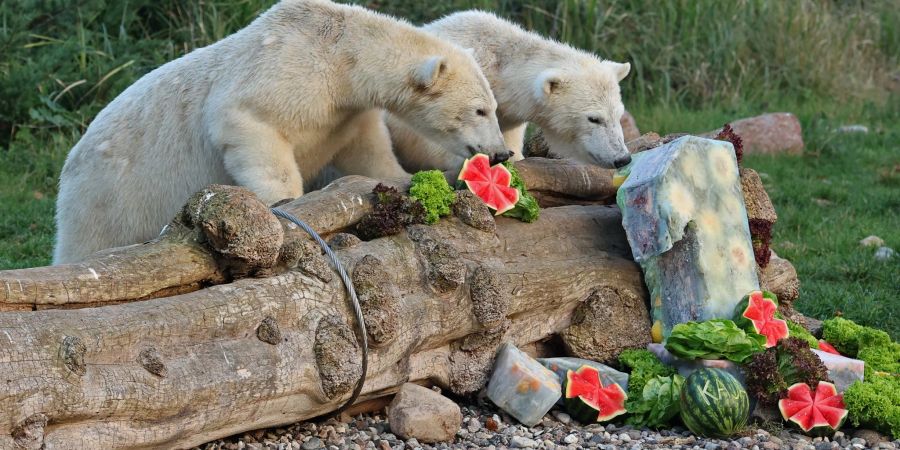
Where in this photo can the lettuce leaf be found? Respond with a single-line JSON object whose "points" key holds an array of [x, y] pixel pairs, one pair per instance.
{"points": [[714, 339], [660, 401]]}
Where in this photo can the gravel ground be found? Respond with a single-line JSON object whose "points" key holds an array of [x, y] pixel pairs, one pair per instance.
{"points": [[485, 427]]}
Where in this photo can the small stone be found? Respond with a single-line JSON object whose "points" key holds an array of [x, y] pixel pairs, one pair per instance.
{"points": [[769, 445], [884, 254], [548, 444], [825, 446], [570, 439], [711, 446], [635, 435], [473, 425], [872, 241], [624, 437], [313, 444], [522, 442], [562, 417], [385, 445], [418, 412], [858, 440]]}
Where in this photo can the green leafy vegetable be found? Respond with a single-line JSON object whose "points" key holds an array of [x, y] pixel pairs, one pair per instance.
{"points": [[392, 212], [798, 331], [714, 339], [644, 366], [658, 403], [849, 338], [881, 358], [430, 188], [526, 209], [772, 372], [875, 403]]}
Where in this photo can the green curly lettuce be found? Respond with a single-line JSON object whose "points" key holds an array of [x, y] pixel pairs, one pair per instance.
{"points": [[643, 366], [430, 188], [659, 402], [526, 209], [798, 331], [714, 339], [849, 338], [875, 403]]}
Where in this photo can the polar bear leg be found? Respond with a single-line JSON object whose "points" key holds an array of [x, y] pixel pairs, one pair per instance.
{"points": [[515, 141], [260, 159], [369, 151]]}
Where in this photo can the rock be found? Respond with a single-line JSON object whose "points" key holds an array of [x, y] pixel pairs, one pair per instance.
{"points": [[420, 413], [847, 129], [610, 320], [768, 134], [842, 370], [872, 241], [560, 366], [760, 215], [312, 444], [624, 437], [521, 386], [629, 127], [780, 277], [570, 439], [871, 437], [522, 442], [683, 212], [884, 254], [562, 417], [711, 446]]}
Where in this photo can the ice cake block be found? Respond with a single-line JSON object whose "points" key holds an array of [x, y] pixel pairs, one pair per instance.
{"points": [[683, 212], [521, 386], [842, 370], [560, 366]]}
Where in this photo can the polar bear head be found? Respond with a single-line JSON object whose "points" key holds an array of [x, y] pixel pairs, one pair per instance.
{"points": [[579, 108], [451, 103]]}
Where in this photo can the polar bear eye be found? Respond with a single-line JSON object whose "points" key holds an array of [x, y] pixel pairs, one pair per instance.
{"points": [[595, 120], [481, 112]]}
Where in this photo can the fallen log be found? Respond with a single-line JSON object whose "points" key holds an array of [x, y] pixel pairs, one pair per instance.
{"points": [[252, 329]]}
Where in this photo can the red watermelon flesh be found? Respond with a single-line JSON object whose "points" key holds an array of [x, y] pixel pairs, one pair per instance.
{"points": [[819, 410], [585, 386], [828, 348], [490, 184], [761, 311]]}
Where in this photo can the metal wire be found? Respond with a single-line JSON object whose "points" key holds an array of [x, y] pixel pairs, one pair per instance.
{"points": [[362, 336]]}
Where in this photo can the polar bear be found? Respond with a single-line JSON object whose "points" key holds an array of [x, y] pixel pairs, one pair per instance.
{"points": [[571, 94], [303, 85]]}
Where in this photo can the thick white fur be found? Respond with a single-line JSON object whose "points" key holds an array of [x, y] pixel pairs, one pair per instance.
{"points": [[534, 80], [267, 107]]}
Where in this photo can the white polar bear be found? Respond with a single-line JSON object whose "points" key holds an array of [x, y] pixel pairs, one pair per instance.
{"points": [[571, 94], [305, 84]]}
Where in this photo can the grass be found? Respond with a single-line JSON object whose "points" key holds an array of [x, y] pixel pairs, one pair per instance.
{"points": [[697, 64]]}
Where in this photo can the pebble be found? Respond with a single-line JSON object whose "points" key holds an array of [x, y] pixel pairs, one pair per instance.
{"points": [[313, 444], [570, 439], [624, 437], [522, 442]]}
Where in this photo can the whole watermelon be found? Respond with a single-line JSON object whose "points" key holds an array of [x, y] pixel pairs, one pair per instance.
{"points": [[714, 404]]}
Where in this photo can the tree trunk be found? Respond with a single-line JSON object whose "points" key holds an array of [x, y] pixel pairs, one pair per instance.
{"points": [[248, 328]]}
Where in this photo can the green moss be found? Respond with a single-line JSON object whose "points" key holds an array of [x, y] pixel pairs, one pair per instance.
{"points": [[644, 366], [430, 188], [796, 330], [875, 403]]}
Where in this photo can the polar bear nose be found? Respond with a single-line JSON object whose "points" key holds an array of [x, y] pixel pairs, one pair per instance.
{"points": [[500, 157], [622, 162]]}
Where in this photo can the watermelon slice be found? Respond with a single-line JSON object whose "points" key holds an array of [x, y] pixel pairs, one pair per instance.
{"points": [[588, 401], [828, 348], [817, 412], [758, 312], [490, 184]]}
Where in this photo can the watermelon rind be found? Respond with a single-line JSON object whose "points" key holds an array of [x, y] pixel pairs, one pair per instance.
{"points": [[714, 404], [761, 304], [818, 412], [580, 385]]}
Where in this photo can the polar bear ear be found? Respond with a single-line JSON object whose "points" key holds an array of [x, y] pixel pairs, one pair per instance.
{"points": [[620, 69], [430, 71], [547, 83]]}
